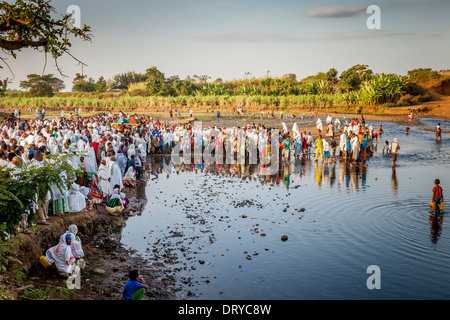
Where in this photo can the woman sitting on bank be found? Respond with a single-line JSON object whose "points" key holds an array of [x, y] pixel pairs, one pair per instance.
{"points": [[117, 202], [64, 255], [129, 179]]}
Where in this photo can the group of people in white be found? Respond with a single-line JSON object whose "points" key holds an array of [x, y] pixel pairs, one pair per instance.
{"points": [[109, 156]]}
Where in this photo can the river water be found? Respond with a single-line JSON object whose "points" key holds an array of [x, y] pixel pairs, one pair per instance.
{"points": [[220, 229]]}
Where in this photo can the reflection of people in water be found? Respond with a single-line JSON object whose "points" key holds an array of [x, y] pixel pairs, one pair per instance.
{"points": [[332, 174], [436, 226], [319, 173], [364, 177], [278, 174], [394, 183], [286, 176]]}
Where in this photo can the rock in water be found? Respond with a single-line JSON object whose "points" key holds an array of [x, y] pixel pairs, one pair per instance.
{"points": [[284, 238]]}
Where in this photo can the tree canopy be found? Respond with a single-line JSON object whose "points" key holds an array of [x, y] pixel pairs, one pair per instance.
{"points": [[32, 24], [42, 86]]}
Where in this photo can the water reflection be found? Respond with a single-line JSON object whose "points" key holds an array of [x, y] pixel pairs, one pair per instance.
{"points": [[394, 184], [288, 175], [436, 221]]}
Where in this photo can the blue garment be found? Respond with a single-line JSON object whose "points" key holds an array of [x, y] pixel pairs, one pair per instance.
{"points": [[349, 146], [364, 144], [130, 288], [122, 162]]}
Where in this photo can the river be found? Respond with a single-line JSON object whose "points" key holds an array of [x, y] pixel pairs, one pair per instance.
{"points": [[220, 229]]}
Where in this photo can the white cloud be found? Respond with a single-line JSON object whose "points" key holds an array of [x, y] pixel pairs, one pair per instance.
{"points": [[335, 12]]}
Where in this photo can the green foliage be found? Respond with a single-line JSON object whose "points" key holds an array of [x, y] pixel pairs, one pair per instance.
{"points": [[123, 80], [20, 190], [352, 78], [156, 83], [7, 261], [423, 75], [49, 292], [84, 87], [138, 89], [42, 86], [383, 88], [101, 85], [3, 86], [31, 24], [357, 85]]}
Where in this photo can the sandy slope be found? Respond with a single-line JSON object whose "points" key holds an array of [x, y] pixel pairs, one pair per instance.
{"points": [[439, 106]]}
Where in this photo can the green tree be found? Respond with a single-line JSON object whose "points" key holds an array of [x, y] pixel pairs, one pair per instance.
{"points": [[123, 80], [31, 24], [202, 79], [84, 87], [3, 86], [42, 86], [156, 82], [79, 78], [352, 78], [423, 75], [331, 75], [100, 85]]}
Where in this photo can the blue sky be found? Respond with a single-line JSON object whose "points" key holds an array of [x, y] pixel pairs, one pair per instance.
{"points": [[226, 39]]}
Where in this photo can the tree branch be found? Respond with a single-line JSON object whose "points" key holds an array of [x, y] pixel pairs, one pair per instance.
{"points": [[19, 44]]}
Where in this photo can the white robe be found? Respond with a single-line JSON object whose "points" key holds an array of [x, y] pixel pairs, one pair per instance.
{"points": [[355, 147], [90, 159], [342, 142], [103, 178], [61, 255], [77, 201], [116, 175], [319, 125]]}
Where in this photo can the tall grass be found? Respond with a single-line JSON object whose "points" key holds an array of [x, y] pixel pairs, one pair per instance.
{"points": [[130, 103], [382, 89]]}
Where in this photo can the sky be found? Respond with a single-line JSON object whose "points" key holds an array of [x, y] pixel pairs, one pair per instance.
{"points": [[228, 38]]}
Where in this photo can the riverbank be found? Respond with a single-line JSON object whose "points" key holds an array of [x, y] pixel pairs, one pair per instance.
{"points": [[107, 261]]}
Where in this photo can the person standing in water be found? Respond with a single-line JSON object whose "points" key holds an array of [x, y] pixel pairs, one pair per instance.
{"points": [[438, 195], [319, 146], [438, 132], [395, 147]]}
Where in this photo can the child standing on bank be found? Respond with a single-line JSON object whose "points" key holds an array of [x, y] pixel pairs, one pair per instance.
{"points": [[438, 195]]}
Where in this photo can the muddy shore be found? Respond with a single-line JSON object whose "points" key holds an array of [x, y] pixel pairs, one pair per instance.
{"points": [[107, 261]]}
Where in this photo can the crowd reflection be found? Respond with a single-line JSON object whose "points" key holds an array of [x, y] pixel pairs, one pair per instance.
{"points": [[289, 175]]}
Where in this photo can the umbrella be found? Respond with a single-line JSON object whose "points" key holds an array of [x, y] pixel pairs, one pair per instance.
{"points": [[122, 121], [134, 121]]}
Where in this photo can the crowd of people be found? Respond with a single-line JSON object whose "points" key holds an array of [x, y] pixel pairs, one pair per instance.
{"points": [[106, 159], [109, 156]]}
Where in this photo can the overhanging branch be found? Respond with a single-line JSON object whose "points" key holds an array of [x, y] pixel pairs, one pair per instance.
{"points": [[19, 44]]}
